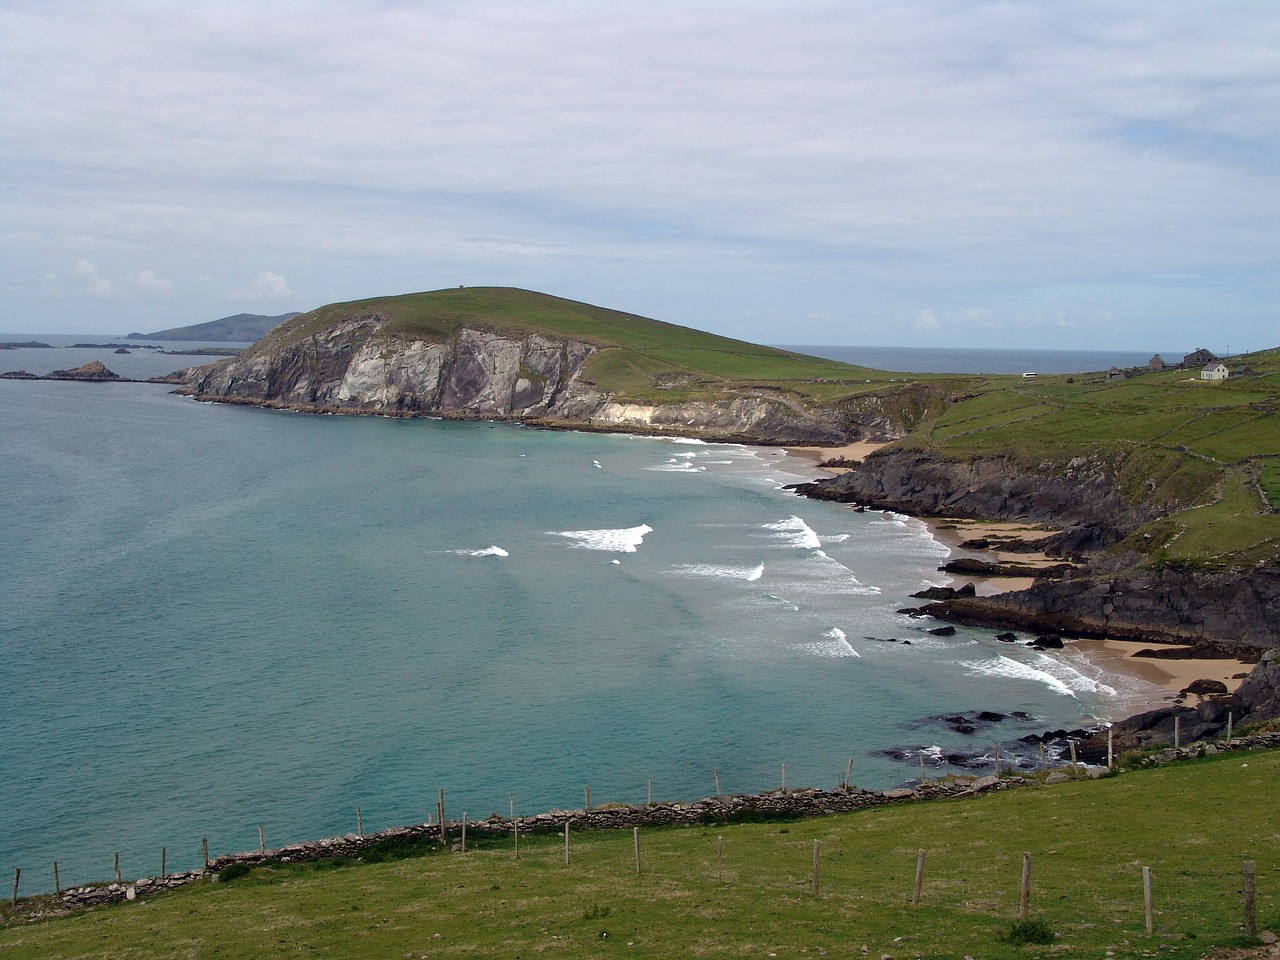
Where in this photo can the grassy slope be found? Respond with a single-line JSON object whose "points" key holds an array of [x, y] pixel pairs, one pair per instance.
{"points": [[1209, 452], [1089, 841], [642, 359]]}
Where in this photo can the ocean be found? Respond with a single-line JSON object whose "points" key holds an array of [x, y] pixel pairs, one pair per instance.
{"points": [[220, 616]]}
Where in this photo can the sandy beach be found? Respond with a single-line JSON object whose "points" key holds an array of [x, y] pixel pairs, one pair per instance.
{"points": [[857, 452]]}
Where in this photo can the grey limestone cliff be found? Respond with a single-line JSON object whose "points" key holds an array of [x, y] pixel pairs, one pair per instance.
{"points": [[355, 367]]}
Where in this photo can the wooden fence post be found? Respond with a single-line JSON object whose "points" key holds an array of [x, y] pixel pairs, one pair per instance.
{"points": [[1075, 768], [717, 781], [1177, 733], [359, 822], [515, 828], [1146, 897], [1230, 720], [635, 840], [817, 845], [204, 851], [464, 831], [17, 875], [921, 754], [262, 840], [719, 859], [1025, 902], [117, 866], [587, 793], [1043, 762], [1250, 918], [57, 884], [566, 843], [164, 853], [444, 837], [1110, 746], [784, 778], [915, 893], [848, 775], [997, 759], [649, 802]]}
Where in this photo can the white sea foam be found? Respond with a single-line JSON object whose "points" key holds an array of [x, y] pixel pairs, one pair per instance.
{"points": [[596, 463], [796, 533], [493, 551], [676, 466], [689, 440], [720, 571], [834, 645], [623, 540], [835, 538], [1054, 673]]}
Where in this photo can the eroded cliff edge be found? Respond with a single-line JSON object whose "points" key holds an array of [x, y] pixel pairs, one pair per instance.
{"points": [[360, 366], [1118, 593]]}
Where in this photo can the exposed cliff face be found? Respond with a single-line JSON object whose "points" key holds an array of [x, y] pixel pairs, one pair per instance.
{"points": [[353, 367], [1112, 597], [1234, 608], [1081, 495]]}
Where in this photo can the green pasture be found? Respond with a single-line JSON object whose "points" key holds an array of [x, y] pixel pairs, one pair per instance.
{"points": [[1193, 824]]}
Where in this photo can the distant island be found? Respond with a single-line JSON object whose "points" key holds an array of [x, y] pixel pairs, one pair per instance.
{"points": [[241, 328]]}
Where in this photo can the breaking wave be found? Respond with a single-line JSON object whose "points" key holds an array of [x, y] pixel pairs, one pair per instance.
{"points": [[622, 540]]}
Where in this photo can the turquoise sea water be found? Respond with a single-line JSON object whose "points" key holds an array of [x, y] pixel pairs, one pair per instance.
{"points": [[219, 616]]}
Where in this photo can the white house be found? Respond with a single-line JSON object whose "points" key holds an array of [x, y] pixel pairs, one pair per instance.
{"points": [[1215, 371]]}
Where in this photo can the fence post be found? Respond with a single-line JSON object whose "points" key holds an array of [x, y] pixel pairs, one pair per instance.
{"points": [[1043, 762], [17, 875], [915, 893], [649, 802], [444, 838], [997, 759], [1075, 768], [515, 827], [1110, 746], [1230, 720], [1177, 733], [719, 859], [784, 778], [817, 845], [164, 853], [848, 775], [117, 866], [635, 840], [262, 840], [717, 769], [57, 884], [1146, 897], [587, 793], [1026, 887], [204, 851], [922, 766], [464, 831], [1250, 918], [566, 843]]}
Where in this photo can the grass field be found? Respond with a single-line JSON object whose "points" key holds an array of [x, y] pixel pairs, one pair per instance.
{"points": [[1192, 823]]}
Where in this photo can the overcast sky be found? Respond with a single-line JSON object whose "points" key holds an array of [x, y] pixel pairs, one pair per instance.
{"points": [[1015, 174]]}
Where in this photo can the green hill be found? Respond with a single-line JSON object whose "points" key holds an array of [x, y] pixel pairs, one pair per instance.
{"points": [[1089, 841], [241, 328], [639, 355]]}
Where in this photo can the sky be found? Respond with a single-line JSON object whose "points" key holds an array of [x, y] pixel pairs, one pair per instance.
{"points": [[1082, 175]]}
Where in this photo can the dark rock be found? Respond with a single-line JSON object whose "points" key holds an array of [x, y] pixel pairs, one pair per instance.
{"points": [[1046, 642], [18, 375], [92, 372], [123, 350], [1006, 638], [1205, 687], [943, 631], [946, 593]]}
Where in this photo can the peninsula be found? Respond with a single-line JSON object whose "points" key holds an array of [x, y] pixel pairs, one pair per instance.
{"points": [[1161, 487]]}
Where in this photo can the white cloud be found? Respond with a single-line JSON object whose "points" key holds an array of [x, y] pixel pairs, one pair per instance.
{"points": [[265, 286], [927, 322], [93, 283], [895, 151], [148, 282]]}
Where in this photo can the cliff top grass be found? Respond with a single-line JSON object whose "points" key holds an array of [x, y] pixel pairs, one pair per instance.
{"points": [[641, 359], [1088, 839], [1207, 452]]}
